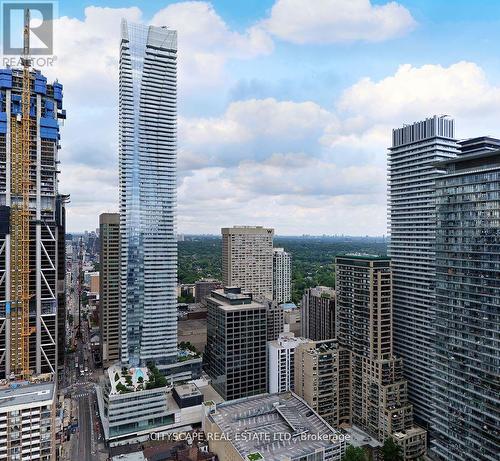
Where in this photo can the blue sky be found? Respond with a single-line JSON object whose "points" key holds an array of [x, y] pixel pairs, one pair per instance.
{"points": [[285, 106]]}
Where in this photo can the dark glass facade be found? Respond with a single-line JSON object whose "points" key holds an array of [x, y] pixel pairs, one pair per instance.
{"points": [[467, 309]]}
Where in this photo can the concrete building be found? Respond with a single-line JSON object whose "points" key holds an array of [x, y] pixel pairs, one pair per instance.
{"points": [[281, 362], [467, 409], [322, 379], [271, 427], [412, 225], [282, 275], [379, 400], [318, 313], [109, 300], [30, 276], [247, 259], [275, 319], [27, 422], [235, 356], [147, 158], [203, 288], [133, 404]]}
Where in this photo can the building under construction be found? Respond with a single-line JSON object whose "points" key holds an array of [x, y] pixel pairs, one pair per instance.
{"points": [[31, 224]]}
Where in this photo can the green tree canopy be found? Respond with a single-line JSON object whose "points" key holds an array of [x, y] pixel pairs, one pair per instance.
{"points": [[354, 454], [391, 451]]}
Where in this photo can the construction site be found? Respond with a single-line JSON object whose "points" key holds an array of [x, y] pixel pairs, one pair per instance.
{"points": [[32, 221]]}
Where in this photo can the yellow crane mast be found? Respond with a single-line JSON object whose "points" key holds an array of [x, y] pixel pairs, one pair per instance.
{"points": [[20, 223]]}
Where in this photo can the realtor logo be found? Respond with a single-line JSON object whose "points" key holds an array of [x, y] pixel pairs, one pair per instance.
{"points": [[41, 27]]}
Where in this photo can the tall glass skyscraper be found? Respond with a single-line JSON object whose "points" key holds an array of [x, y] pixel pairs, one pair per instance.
{"points": [[412, 222], [468, 305], [147, 150]]}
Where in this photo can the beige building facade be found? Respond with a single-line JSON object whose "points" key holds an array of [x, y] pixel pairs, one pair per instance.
{"points": [[247, 259]]}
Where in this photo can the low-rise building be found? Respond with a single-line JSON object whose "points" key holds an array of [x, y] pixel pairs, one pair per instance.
{"points": [[203, 288], [270, 427], [137, 402]]}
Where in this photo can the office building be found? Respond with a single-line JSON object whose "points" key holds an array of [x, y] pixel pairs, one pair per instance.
{"points": [[412, 225], [27, 416], [317, 312], [379, 397], [282, 275], [147, 158], [271, 427], [322, 379], [281, 362], [467, 410], [247, 259], [203, 288], [31, 221], [109, 280], [235, 356]]}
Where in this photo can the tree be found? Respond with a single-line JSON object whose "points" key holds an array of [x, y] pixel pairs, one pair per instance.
{"points": [[391, 451], [354, 454]]}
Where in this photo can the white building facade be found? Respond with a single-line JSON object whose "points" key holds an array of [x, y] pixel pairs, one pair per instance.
{"points": [[281, 356], [282, 275]]}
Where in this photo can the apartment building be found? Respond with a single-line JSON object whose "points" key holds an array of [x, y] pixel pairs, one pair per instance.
{"points": [[247, 259]]}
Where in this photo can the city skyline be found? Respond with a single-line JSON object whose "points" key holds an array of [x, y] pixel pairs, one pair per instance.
{"points": [[332, 168]]}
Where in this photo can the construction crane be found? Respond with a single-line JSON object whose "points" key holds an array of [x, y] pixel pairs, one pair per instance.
{"points": [[20, 329]]}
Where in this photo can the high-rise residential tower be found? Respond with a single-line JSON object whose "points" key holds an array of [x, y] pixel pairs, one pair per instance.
{"points": [[379, 400], [467, 361], [247, 259], [147, 157], [109, 287], [282, 275], [412, 224], [317, 312]]}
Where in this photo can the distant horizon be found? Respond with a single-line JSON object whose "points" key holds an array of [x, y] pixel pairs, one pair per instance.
{"points": [[384, 236]]}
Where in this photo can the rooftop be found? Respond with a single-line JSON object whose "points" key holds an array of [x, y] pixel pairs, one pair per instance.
{"points": [[123, 379], [26, 394], [364, 257], [278, 426], [231, 298], [187, 390]]}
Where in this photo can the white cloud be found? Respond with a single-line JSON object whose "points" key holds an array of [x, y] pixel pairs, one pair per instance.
{"points": [[330, 21], [249, 130], [460, 89], [206, 42]]}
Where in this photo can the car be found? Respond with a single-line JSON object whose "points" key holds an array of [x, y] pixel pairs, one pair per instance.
{"points": [[86, 369]]}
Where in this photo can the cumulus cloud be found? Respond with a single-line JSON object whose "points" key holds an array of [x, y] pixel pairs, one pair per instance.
{"points": [[251, 130], [369, 109], [207, 42], [330, 21], [460, 89]]}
